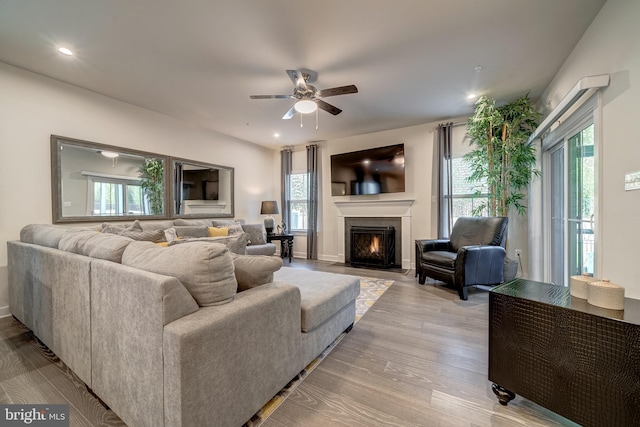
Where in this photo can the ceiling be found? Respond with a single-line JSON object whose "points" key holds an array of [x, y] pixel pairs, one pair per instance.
{"points": [[413, 61]]}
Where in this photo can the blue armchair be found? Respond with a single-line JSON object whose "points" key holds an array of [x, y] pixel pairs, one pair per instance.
{"points": [[474, 254]]}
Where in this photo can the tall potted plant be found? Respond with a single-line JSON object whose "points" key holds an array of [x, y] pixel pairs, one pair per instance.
{"points": [[502, 162], [153, 184]]}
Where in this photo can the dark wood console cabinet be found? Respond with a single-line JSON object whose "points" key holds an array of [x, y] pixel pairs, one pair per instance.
{"points": [[573, 358]]}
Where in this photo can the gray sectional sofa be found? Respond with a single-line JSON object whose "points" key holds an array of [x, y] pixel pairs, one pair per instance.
{"points": [[187, 335]]}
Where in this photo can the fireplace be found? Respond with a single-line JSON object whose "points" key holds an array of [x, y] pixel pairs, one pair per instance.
{"points": [[373, 246]]}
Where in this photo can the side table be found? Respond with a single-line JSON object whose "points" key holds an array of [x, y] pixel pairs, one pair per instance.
{"points": [[286, 243], [576, 359]]}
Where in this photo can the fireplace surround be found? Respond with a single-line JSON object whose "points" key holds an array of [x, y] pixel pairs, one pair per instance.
{"points": [[350, 210]]}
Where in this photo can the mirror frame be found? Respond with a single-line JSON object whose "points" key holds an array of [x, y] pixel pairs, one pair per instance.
{"points": [[172, 189], [56, 184]]}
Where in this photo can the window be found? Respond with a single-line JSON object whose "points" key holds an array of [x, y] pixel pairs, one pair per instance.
{"points": [[114, 197], [465, 195], [298, 202]]}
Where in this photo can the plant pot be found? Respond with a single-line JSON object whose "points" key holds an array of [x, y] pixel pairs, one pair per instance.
{"points": [[510, 269]]}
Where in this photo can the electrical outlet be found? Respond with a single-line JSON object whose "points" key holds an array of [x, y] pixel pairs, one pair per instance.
{"points": [[518, 253]]}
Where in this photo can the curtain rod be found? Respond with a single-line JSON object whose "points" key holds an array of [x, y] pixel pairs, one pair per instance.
{"points": [[454, 124]]}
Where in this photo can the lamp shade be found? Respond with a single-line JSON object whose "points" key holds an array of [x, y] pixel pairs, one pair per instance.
{"points": [[269, 207]]}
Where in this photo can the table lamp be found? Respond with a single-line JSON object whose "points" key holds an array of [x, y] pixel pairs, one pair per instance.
{"points": [[269, 207]]}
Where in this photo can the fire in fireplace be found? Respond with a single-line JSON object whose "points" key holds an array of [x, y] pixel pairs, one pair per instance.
{"points": [[373, 246]]}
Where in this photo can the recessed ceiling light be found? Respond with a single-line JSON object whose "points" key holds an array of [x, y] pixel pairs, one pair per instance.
{"points": [[472, 96], [65, 51], [276, 135], [477, 68]]}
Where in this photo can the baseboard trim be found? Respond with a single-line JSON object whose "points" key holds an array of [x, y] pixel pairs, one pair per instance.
{"points": [[4, 311]]}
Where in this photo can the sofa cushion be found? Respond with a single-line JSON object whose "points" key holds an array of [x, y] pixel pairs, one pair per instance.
{"points": [[193, 222], [266, 249], [204, 268], [95, 244], [255, 270], [322, 294], [236, 244], [257, 233], [225, 222], [443, 259]]}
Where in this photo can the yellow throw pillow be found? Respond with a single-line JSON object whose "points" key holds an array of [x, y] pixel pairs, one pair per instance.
{"points": [[218, 231], [163, 244]]}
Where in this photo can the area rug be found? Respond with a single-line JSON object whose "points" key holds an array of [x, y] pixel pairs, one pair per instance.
{"points": [[370, 291]]}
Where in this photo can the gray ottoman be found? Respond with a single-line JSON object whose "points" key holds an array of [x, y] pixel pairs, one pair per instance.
{"points": [[328, 305]]}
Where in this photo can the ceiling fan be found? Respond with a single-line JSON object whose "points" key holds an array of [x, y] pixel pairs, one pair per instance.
{"points": [[308, 98]]}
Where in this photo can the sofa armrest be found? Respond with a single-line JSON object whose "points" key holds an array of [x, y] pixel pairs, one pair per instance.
{"points": [[223, 363], [129, 309], [480, 265]]}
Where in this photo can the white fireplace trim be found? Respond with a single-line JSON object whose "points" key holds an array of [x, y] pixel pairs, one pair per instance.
{"points": [[377, 208]]}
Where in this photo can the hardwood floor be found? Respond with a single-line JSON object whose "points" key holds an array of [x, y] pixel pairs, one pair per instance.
{"points": [[417, 358]]}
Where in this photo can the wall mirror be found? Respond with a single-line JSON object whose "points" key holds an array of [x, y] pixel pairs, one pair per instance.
{"points": [[93, 182], [201, 190]]}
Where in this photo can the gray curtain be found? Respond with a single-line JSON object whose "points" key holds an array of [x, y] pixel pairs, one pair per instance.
{"points": [[312, 194], [285, 167], [445, 190]]}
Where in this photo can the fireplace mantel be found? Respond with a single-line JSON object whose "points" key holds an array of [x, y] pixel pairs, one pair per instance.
{"points": [[376, 208]]}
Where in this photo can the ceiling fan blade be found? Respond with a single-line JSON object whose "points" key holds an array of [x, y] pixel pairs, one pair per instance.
{"points": [[271, 96], [289, 114], [328, 107], [298, 80], [342, 90]]}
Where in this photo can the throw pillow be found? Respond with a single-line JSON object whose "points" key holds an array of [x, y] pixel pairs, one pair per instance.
{"points": [[255, 270], [114, 228], [234, 229], [148, 236], [257, 233], [191, 231], [236, 244], [97, 245], [204, 268], [218, 231], [170, 234]]}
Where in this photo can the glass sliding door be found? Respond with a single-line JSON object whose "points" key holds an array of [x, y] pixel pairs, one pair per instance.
{"points": [[581, 203], [571, 214]]}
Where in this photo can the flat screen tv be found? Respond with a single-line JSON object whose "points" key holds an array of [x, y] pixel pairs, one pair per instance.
{"points": [[373, 171]]}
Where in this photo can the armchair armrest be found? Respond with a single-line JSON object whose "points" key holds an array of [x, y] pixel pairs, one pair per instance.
{"points": [[433, 245], [480, 265]]}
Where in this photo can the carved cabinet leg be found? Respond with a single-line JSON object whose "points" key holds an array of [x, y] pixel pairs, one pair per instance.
{"points": [[504, 395]]}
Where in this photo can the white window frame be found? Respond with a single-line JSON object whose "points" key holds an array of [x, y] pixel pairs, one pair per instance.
{"points": [[299, 201]]}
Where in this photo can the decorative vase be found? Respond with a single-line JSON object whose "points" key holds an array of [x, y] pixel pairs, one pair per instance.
{"points": [[510, 269]]}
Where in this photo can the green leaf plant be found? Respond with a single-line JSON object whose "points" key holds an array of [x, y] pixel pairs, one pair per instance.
{"points": [[153, 184], [502, 158]]}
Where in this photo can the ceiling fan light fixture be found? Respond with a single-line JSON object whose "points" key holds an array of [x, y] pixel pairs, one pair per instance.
{"points": [[110, 154], [305, 106]]}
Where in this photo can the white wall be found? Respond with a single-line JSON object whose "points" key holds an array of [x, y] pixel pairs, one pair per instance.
{"points": [[611, 45], [421, 184], [33, 107]]}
